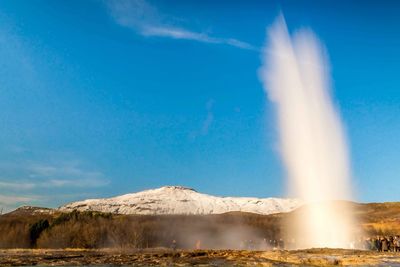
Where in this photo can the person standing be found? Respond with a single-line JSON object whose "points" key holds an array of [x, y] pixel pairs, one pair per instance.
{"points": [[397, 243], [173, 244], [385, 245], [378, 243]]}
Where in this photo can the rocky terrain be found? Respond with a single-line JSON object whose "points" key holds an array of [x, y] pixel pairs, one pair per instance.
{"points": [[31, 210], [182, 200], [163, 257]]}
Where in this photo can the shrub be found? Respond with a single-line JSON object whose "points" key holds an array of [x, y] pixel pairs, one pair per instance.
{"points": [[36, 229]]}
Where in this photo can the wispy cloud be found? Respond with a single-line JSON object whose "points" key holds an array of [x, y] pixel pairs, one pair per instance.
{"points": [[210, 117], [34, 182], [66, 174], [36, 175], [23, 185], [146, 20], [90, 181], [9, 200], [206, 123]]}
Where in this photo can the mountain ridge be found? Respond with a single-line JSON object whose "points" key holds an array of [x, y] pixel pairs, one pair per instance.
{"points": [[181, 200]]}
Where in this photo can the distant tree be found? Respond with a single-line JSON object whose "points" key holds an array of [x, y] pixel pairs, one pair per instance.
{"points": [[36, 229]]}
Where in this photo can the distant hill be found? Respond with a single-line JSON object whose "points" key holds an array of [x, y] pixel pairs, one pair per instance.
{"points": [[379, 218], [30, 210], [182, 200]]}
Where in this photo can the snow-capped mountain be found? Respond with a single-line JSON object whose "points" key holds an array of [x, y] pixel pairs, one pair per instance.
{"points": [[181, 200]]}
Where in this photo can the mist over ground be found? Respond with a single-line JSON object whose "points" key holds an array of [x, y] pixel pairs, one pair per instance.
{"points": [[21, 229]]}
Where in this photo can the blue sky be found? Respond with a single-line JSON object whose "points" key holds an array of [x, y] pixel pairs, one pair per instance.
{"points": [[100, 98]]}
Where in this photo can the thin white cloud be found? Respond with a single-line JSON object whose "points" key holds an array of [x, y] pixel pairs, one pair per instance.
{"points": [[34, 183], [36, 175], [145, 19], [17, 185], [67, 174], [206, 123], [85, 182], [210, 117], [9, 200]]}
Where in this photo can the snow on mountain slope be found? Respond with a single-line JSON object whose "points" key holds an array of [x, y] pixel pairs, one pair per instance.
{"points": [[181, 200]]}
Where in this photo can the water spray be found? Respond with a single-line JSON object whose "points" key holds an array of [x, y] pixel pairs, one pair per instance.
{"points": [[295, 75]]}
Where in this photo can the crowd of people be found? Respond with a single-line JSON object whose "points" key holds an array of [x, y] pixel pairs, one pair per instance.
{"points": [[383, 243]]}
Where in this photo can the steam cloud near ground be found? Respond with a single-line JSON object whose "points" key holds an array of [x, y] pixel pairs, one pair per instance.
{"points": [[313, 147]]}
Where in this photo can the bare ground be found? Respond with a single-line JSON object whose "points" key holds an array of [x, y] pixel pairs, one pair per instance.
{"points": [[164, 257]]}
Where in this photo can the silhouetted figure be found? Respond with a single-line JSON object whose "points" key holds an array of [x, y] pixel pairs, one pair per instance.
{"points": [[379, 244], [385, 245], [274, 244], [397, 242], [391, 244], [173, 244], [281, 244]]}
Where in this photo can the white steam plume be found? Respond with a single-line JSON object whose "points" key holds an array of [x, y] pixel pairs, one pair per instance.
{"points": [[312, 142]]}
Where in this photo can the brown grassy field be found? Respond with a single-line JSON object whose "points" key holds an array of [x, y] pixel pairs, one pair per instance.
{"points": [[26, 229], [380, 218]]}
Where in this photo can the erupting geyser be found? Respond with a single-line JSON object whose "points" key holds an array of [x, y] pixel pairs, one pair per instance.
{"points": [[295, 76]]}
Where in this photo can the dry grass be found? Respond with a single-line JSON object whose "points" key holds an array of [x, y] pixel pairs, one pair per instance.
{"points": [[98, 230]]}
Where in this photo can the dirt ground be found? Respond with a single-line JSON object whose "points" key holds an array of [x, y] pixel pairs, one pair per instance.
{"points": [[164, 257]]}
